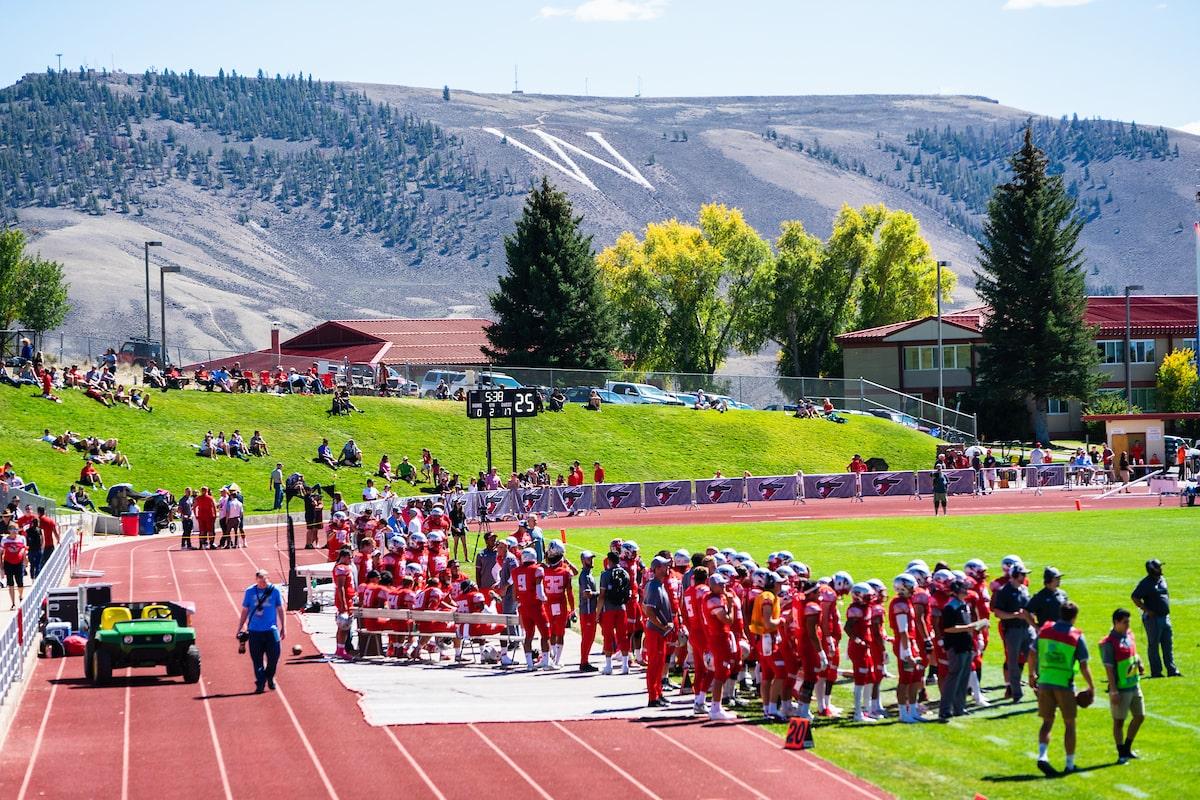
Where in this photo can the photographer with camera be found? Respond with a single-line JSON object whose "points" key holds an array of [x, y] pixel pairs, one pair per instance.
{"points": [[262, 627]]}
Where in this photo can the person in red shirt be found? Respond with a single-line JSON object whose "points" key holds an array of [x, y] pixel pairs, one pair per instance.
{"points": [[597, 472], [902, 617], [400, 598], [632, 564], [806, 621], [435, 597], [372, 593], [338, 535], [471, 601], [364, 560], [694, 599], [48, 386], [858, 628], [528, 583], [437, 559], [879, 642], [560, 598], [722, 656], [204, 509], [343, 598], [15, 553], [939, 596], [831, 626]]}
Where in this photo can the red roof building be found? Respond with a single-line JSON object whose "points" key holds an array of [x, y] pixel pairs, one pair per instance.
{"points": [[392, 342], [903, 355]]}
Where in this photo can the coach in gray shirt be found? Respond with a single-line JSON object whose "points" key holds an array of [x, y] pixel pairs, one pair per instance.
{"points": [[485, 564], [588, 618]]}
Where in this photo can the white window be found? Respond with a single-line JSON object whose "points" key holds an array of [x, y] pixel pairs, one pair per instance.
{"points": [[924, 357], [1056, 406], [1189, 344], [1141, 351]]}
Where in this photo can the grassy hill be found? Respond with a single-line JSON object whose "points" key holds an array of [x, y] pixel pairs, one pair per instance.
{"points": [[634, 443]]}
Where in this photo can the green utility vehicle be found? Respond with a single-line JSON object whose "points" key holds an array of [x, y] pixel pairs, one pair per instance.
{"points": [[146, 634]]}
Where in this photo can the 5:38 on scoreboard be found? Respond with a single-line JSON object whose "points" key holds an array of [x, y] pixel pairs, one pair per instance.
{"points": [[500, 403]]}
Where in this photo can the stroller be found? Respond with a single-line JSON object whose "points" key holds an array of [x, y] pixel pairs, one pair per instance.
{"points": [[162, 505]]}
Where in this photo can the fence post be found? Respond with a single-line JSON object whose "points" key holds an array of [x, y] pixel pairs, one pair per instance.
{"points": [[861, 394], [89, 349]]}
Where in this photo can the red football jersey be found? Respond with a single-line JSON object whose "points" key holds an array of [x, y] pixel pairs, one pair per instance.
{"points": [[526, 580]]}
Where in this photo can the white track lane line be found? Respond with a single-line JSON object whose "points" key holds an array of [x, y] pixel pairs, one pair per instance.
{"points": [[754, 792], [37, 742], [312, 753], [510, 762], [412, 762], [608, 761], [767, 737], [212, 726]]}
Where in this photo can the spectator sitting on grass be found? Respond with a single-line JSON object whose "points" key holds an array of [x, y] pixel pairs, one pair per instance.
{"points": [[594, 402], [95, 390], [202, 377], [221, 380], [237, 447], [140, 399], [370, 493], [557, 399], [385, 468], [325, 455], [88, 476], [78, 500], [351, 455], [71, 378], [28, 375], [258, 445], [5, 377], [48, 376], [406, 471], [240, 378], [209, 448], [152, 376], [220, 445]]}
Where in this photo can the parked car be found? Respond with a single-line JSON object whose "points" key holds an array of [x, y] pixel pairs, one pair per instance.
{"points": [[643, 391], [468, 381], [138, 351], [900, 419], [788, 407], [430, 382], [580, 394]]}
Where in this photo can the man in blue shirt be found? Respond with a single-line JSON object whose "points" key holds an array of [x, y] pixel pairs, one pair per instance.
{"points": [[264, 622]]}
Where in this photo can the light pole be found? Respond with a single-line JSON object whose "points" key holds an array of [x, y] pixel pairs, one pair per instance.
{"points": [[275, 341], [162, 310], [940, 363], [146, 247], [1135, 287]]}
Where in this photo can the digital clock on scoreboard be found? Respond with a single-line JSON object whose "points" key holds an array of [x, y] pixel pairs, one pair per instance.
{"points": [[497, 403]]}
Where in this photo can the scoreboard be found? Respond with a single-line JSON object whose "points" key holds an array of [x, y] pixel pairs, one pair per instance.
{"points": [[498, 403]]}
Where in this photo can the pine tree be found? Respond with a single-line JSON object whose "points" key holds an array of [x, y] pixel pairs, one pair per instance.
{"points": [[1032, 276], [550, 308], [446, 93]]}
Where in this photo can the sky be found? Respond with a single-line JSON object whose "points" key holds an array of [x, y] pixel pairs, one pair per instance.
{"points": [[1119, 59]]}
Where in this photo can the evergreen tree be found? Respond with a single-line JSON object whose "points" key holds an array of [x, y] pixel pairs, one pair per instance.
{"points": [[550, 308], [1032, 275], [446, 93]]}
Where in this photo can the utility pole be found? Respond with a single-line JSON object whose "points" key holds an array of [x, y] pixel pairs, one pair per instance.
{"points": [[59, 61], [940, 361], [147, 246]]}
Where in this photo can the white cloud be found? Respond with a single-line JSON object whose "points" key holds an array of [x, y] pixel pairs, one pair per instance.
{"points": [[1191, 127], [1025, 5], [608, 11]]}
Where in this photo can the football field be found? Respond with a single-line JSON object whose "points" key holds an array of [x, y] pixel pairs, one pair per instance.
{"points": [[992, 752]]}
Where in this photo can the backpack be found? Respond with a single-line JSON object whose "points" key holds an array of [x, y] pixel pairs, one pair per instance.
{"points": [[618, 591]]}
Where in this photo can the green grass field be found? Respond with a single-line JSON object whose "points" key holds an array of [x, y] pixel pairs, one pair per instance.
{"points": [[633, 443], [992, 752]]}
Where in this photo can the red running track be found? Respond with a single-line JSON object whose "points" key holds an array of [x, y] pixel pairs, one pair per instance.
{"points": [[150, 736]]}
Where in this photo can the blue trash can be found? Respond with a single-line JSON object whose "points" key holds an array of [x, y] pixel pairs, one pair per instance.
{"points": [[146, 523]]}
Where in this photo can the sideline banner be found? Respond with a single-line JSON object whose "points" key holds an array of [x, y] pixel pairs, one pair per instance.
{"points": [[778, 487], [667, 493], [1046, 476], [618, 495], [823, 487], [495, 503], [535, 499], [888, 484], [958, 481], [571, 499], [719, 490]]}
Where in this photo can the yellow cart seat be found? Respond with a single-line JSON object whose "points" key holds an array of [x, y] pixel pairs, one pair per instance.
{"points": [[111, 616]]}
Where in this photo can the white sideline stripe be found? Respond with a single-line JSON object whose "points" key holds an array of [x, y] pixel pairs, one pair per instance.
{"points": [[412, 762], [702, 759], [312, 754], [1175, 722], [850, 784], [510, 762], [996, 740], [1130, 790], [37, 742], [608, 761], [212, 727]]}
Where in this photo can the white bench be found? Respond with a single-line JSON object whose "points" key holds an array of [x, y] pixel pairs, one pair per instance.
{"points": [[455, 618]]}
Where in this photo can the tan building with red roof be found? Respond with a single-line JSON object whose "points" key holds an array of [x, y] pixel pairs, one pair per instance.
{"points": [[903, 355]]}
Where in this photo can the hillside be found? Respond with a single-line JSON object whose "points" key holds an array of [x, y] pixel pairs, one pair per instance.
{"points": [[295, 199], [634, 443]]}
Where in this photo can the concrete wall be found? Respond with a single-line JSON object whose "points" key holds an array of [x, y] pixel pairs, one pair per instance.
{"points": [[879, 364]]}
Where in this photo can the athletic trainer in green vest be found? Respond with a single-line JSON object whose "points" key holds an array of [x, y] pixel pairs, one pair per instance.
{"points": [[1119, 655], [1060, 652]]}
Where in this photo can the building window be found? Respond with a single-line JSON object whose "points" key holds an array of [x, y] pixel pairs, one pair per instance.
{"points": [[1146, 398], [1141, 351], [1056, 406], [924, 357]]}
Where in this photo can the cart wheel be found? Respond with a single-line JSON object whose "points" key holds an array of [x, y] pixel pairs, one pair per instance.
{"points": [[87, 662], [191, 665], [102, 666]]}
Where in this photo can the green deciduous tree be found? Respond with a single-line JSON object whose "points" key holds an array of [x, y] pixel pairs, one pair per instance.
{"points": [[685, 294], [32, 289], [1032, 276], [1176, 381], [551, 310]]}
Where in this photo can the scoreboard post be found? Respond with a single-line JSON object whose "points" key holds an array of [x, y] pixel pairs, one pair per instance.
{"points": [[497, 403]]}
